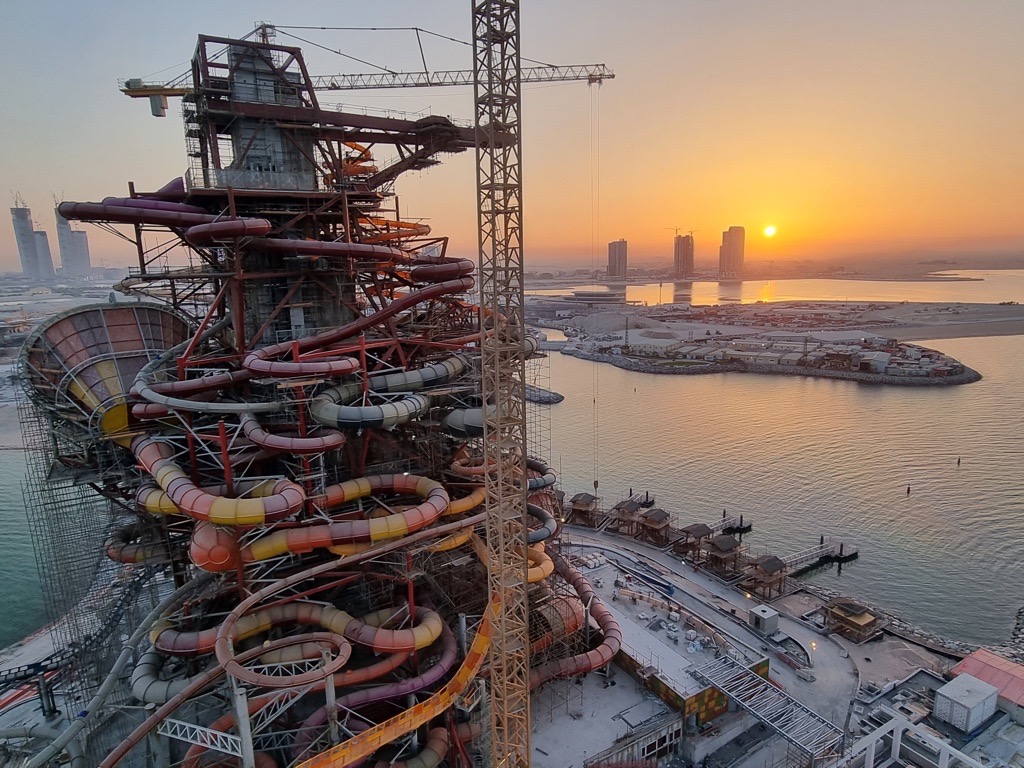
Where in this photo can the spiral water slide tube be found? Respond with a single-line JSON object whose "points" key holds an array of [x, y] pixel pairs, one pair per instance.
{"points": [[369, 741], [213, 547], [121, 547], [563, 615], [202, 228], [334, 407], [380, 734], [366, 631], [149, 686], [260, 362], [468, 467], [356, 700], [606, 621], [269, 503], [363, 744]]}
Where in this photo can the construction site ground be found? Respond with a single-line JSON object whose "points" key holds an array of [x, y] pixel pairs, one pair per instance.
{"points": [[576, 718], [838, 665]]}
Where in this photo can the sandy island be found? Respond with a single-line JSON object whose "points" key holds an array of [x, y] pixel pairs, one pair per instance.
{"points": [[905, 321]]}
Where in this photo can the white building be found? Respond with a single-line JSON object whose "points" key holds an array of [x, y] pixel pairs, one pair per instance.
{"points": [[965, 702]]}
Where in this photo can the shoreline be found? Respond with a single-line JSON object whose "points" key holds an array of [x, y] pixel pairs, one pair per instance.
{"points": [[972, 330], [570, 282]]}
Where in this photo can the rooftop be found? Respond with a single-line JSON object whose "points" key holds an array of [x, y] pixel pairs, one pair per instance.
{"points": [[967, 689], [1005, 675]]}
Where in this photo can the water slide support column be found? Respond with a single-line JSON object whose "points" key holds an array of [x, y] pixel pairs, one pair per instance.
{"points": [[241, 704]]}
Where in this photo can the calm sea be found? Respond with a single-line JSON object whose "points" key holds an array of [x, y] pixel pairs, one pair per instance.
{"points": [[985, 286], [801, 458], [798, 457], [20, 598]]}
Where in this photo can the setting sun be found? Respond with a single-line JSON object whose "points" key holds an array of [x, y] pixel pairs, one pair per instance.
{"points": [[769, 231]]}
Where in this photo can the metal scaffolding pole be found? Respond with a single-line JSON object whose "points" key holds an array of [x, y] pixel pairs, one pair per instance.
{"points": [[497, 100]]}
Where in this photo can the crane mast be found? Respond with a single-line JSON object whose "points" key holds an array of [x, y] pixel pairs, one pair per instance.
{"points": [[497, 101]]}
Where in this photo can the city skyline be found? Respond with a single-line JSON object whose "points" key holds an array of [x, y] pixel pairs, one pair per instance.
{"points": [[35, 257], [830, 122]]}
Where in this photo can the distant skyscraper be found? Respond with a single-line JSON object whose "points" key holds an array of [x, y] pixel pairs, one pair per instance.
{"points": [[44, 261], [617, 259], [683, 256], [33, 245], [23, 235], [84, 264], [730, 253], [74, 249]]}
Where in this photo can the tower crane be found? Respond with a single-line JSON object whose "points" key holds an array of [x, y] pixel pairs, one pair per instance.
{"points": [[159, 92], [497, 97], [676, 230]]}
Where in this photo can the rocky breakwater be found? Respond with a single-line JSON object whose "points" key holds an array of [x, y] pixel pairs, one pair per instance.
{"points": [[1014, 647], [541, 396], [967, 376], [640, 365]]}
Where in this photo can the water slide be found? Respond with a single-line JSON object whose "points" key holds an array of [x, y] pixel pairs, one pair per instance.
{"points": [[592, 659], [364, 744], [273, 515]]}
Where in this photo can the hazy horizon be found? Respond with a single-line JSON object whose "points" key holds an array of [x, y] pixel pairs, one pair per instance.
{"points": [[853, 128]]}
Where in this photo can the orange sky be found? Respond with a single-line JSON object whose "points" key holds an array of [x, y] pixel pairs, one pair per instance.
{"points": [[853, 127]]}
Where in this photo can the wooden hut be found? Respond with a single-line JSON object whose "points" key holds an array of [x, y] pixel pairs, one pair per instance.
{"points": [[583, 510], [654, 527], [722, 554], [689, 544], [625, 518], [767, 577]]}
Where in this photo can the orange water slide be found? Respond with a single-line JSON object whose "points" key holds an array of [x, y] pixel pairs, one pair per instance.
{"points": [[540, 564], [386, 230], [213, 548], [364, 744]]}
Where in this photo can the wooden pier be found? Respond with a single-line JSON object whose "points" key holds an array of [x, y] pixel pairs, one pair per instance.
{"points": [[827, 551], [637, 518], [715, 547]]}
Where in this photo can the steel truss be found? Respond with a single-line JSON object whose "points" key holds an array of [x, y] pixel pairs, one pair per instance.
{"points": [[497, 100], [798, 725]]}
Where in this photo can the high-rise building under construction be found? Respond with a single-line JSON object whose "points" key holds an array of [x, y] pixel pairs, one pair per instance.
{"points": [[730, 253], [33, 246], [682, 256], [74, 249]]}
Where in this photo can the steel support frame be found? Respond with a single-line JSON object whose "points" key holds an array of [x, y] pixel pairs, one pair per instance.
{"points": [[819, 738], [190, 733], [497, 102]]}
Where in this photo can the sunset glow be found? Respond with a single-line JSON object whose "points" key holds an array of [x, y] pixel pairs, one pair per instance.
{"points": [[853, 154]]}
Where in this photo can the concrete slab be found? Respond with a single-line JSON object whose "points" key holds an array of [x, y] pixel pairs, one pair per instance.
{"points": [[576, 718]]}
